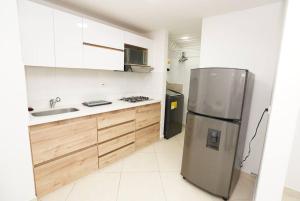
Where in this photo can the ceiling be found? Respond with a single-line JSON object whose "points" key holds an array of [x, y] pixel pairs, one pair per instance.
{"points": [[180, 18]]}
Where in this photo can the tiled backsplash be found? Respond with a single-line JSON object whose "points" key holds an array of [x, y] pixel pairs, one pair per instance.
{"points": [[75, 86]]}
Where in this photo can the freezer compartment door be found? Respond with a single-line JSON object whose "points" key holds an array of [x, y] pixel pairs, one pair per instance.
{"points": [[217, 92], [209, 151]]}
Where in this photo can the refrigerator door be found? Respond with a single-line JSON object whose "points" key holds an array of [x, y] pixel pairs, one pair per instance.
{"points": [[217, 92], [208, 156]]}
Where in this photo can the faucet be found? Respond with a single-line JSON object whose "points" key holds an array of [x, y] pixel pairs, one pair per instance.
{"points": [[54, 101]]}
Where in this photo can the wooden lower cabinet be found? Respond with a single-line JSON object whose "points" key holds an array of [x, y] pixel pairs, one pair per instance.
{"points": [[115, 131], [116, 143], [116, 117], [146, 136], [64, 151], [51, 141], [116, 155], [57, 173], [147, 115]]}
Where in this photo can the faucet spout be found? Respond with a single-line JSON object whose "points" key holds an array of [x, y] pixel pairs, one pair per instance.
{"points": [[54, 101]]}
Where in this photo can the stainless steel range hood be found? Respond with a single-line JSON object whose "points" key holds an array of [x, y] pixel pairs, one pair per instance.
{"points": [[136, 59], [137, 68]]}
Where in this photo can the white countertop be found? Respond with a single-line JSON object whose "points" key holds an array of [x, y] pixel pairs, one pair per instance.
{"points": [[85, 111]]}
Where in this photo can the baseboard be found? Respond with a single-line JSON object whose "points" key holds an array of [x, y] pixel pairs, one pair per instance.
{"points": [[247, 175], [291, 193]]}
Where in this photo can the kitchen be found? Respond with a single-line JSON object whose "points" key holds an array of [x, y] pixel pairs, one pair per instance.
{"points": [[73, 60]]}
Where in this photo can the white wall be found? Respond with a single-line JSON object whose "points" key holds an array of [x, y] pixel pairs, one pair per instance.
{"points": [[180, 72], [16, 175], [247, 39], [75, 86], [293, 174], [285, 115], [160, 61]]}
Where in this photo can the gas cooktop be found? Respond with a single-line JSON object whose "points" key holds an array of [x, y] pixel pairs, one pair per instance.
{"points": [[134, 99]]}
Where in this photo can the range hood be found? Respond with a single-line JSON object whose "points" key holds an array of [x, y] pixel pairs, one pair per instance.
{"points": [[136, 59], [137, 68]]}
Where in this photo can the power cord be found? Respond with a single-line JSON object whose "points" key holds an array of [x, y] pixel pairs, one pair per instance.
{"points": [[249, 150]]}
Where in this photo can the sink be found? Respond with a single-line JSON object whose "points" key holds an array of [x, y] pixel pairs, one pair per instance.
{"points": [[53, 112]]}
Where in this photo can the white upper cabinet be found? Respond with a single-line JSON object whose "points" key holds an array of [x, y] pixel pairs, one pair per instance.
{"points": [[136, 40], [68, 40], [103, 35], [53, 38], [37, 35], [102, 58], [103, 46], [140, 41]]}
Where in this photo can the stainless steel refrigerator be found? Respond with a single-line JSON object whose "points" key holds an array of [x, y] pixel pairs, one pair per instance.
{"points": [[216, 126]]}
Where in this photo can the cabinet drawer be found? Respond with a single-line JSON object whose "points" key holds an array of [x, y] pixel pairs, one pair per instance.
{"points": [[55, 174], [115, 117], [147, 115], [116, 155], [147, 136], [54, 140], [115, 131], [114, 144]]}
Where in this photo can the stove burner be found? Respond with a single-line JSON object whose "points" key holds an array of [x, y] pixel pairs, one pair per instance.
{"points": [[134, 99]]}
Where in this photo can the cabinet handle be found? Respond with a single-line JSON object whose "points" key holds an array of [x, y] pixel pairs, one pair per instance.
{"points": [[101, 46]]}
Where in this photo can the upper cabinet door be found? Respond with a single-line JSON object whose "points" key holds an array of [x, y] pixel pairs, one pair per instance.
{"points": [[68, 40], [140, 41], [103, 46], [102, 35], [37, 35], [136, 40], [102, 58]]}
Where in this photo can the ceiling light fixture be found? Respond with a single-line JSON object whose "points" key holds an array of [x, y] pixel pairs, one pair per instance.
{"points": [[185, 38]]}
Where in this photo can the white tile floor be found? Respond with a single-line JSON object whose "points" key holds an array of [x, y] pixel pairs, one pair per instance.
{"points": [[290, 195], [150, 174]]}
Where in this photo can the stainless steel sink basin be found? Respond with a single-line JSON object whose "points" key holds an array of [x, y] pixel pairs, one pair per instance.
{"points": [[53, 112]]}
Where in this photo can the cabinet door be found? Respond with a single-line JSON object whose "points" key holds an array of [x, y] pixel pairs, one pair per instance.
{"points": [[115, 144], [136, 40], [68, 40], [116, 155], [147, 115], [57, 173], [115, 131], [103, 46], [102, 58], [146, 136], [37, 35], [54, 141], [113, 118], [101, 34]]}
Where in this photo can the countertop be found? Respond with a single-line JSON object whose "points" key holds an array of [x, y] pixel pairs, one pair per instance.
{"points": [[85, 111]]}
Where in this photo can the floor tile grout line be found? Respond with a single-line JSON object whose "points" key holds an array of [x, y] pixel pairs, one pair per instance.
{"points": [[120, 178], [70, 191], [160, 172], [118, 190], [160, 176]]}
